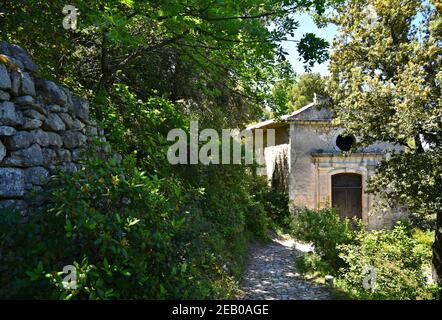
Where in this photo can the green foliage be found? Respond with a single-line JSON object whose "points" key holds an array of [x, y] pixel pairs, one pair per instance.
{"points": [[385, 84], [312, 265], [116, 225], [279, 99], [139, 127], [424, 241], [382, 264], [204, 51], [310, 55], [289, 96], [325, 230], [273, 197], [130, 236], [275, 202], [393, 260], [303, 91], [148, 67]]}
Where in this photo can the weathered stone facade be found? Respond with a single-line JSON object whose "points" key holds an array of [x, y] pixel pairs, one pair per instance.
{"points": [[314, 158], [42, 127]]}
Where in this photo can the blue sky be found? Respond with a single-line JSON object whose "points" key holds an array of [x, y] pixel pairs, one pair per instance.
{"points": [[307, 25]]}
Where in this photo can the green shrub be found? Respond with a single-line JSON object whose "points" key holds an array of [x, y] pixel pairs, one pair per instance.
{"points": [[277, 206], [173, 232], [132, 236], [257, 221], [325, 230], [275, 201], [312, 265], [116, 226], [390, 263]]}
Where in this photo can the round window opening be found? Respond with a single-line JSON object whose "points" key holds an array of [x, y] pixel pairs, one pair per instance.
{"points": [[344, 143]]}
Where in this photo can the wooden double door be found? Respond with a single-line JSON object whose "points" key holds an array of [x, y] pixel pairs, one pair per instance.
{"points": [[347, 194]]}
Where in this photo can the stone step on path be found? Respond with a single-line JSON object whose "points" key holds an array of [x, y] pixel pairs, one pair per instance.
{"points": [[271, 273]]}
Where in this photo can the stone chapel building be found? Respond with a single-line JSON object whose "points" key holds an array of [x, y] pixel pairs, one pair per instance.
{"points": [[319, 171]]}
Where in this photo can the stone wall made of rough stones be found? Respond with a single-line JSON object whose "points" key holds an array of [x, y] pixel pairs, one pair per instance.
{"points": [[42, 127]]}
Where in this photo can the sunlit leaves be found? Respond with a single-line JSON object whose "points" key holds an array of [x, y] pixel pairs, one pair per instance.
{"points": [[386, 87], [313, 49]]}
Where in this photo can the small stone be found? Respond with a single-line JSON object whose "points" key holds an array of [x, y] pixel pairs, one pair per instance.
{"points": [[69, 103], [54, 108], [80, 107], [9, 115], [53, 169], [4, 95], [29, 157], [5, 80], [76, 153], [37, 176], [64, 155], [20, 140], [30, 104], [2, 151], [68, 167], [14, 61], [12, 182], [73, 139], [25, 101], [31, 113], [15, 77], [52, 92], [27, 84], [24, 57], [6, 131], [77, 125], [30, 65], [13, 204], [41, 137], [31, 124], [67, 119], [92, 131], [54, 139], [54, 122], [49, 157]]}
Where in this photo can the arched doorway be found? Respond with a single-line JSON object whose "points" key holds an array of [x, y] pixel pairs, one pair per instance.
{"points": [[347, 194]]}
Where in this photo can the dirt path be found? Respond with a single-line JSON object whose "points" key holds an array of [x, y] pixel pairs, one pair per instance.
{"points": [[271, 274]]}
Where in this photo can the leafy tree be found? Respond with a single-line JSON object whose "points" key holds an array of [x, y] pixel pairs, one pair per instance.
{"points": [[304, 90], [195, 49], [150, 66], [288, 95], [386, 86]]}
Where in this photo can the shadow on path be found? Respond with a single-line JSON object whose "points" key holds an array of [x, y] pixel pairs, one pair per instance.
{"points": [[271, 273]]}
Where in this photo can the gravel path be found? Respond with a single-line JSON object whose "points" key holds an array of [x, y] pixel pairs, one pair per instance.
{"points": [[271, 274]]}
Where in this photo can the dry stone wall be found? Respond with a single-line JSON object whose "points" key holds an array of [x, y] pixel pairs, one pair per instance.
{"points": [[43, 127]]}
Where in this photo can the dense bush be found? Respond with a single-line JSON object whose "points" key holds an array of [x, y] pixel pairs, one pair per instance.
{"points": [[274, 201], [383, 264], [131, 235], [116, 226], [143, 229], [276, 204], [312, 265], [391, 263], [325, 230]]}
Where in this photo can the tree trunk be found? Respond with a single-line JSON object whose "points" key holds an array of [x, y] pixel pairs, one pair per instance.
{"points": [[437, 250]]}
